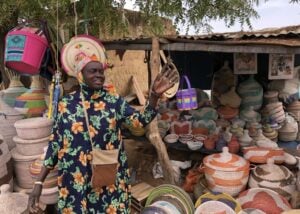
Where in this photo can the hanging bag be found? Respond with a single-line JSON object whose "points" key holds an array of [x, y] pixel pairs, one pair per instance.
{"points": [[186, 98], [104, 162]]}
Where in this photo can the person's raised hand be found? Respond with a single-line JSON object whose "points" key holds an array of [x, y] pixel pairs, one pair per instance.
{"points": [[165, 79]]}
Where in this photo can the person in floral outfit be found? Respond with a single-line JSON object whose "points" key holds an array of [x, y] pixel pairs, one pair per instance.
{"points": [[70, 146]]}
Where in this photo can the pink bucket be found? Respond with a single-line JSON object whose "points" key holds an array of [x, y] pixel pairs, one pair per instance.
{"points": [[186, 98], [24, 49]]}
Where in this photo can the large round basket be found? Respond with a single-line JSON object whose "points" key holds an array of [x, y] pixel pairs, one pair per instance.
{"points": [[81, 43], [274, 177], [263, 199], [226, 172], [21, 167], [180, 198], [34, 128], [222, 197], [31, 147]]}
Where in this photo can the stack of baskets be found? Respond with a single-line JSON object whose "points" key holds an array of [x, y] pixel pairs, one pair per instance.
{"points": [[50, 189], [33, 136], [8, 116], [6, 164], [289, 130]]}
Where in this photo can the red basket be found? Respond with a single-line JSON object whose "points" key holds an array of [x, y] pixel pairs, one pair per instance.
{"points": [[186, 98], [24, 49]]}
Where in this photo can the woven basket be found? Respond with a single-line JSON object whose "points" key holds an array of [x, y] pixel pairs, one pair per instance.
{"points": [[31, 147], [260, 155], [21, 168], [186, 98], [226, 172], [24, 49], [263, 199], [8, 116], [222, 197], [6, 164], [214, 207], [49, 195], [34, 128], [275, 177], [183, 200]]}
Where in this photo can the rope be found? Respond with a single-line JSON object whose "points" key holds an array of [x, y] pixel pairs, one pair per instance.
{"points": [[76, 18]]}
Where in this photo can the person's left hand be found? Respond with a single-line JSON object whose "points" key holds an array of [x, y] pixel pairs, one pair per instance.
{"points": [[165, 79]]}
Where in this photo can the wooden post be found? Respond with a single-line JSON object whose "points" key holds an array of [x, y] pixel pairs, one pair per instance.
{"points": [[153, 133]]}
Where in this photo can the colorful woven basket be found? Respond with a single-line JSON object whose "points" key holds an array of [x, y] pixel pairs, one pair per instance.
{"points": [[263, 199], [179, 198], [186, 98], [81, 43], [222, 197], [24, 49]]}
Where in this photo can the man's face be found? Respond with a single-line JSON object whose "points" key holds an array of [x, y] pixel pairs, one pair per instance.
{"points": [[93, 75]]}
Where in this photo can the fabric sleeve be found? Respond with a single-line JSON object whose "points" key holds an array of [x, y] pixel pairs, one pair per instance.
{"points": [[133, 117], [55, 142]]}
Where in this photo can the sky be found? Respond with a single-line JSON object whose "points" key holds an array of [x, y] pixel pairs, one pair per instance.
{"points": [[273, 13]]}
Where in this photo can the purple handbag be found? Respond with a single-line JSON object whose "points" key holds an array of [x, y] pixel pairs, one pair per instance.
{"points": [[186, 98]]}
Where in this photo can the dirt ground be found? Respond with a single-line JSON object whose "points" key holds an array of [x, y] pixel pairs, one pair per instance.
{"points": [[142, 156]]}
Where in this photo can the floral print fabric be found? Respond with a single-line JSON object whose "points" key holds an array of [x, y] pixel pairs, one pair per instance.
{"points": [[70, 148]]}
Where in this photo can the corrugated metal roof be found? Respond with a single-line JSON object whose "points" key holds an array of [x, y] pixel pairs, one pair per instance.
{"points": [[272, 40], [264, 33], [287, 36]]}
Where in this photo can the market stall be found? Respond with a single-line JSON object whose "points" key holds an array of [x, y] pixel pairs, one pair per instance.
{"points": [[250, 116], [251, 110]]}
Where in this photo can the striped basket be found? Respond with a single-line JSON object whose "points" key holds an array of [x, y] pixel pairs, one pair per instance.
{"points": [[186, 98], [24, 49]]}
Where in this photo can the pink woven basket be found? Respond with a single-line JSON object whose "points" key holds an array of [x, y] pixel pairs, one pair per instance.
{"points": [[186, 98], [24, 49]]}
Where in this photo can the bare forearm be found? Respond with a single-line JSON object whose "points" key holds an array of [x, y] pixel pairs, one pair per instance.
{"points": [[43, 174], [153, 99]]}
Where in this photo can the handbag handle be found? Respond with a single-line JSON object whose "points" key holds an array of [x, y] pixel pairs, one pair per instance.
{"points": [[87, 121], [86, 118], [186, 80]]}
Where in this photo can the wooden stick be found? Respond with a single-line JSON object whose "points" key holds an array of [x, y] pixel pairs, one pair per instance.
{"points": [[138, 91], [152, 129]]}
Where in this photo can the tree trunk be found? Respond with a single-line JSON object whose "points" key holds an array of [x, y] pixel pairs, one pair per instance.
{"points": [[153, 133]]}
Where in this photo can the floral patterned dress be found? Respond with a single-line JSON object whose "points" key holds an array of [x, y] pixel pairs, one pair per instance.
{"points": [[70, 148]]}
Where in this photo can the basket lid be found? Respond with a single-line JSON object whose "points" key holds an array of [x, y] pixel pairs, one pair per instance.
{"points": [[271, 171], [35, 122], [81, 43], [226, 161]]}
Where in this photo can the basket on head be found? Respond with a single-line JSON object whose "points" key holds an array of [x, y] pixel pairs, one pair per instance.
{"points": [[81, 43], [24, 49], [186, 98]]}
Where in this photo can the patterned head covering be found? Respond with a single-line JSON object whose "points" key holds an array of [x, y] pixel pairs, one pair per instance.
{"points": [[80, 51], [82, 59]]}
